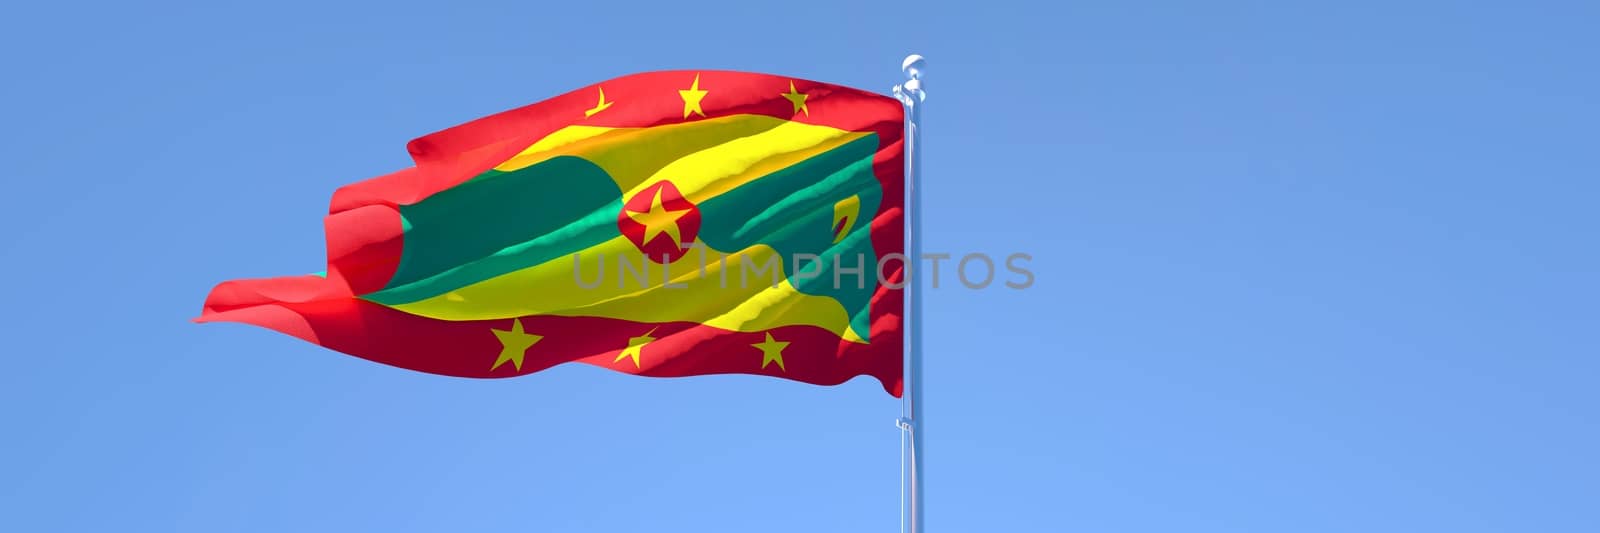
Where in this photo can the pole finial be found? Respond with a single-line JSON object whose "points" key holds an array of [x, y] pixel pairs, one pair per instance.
{"points": [[913, 66], [911, 92]]}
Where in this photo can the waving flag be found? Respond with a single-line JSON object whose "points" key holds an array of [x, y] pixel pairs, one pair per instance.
{"points": [[662, 224]]}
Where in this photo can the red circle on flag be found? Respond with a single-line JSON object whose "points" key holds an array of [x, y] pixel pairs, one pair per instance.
{"points": [[660, 222]]}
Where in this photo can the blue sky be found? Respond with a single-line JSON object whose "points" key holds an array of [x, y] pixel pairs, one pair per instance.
{"points": [[1314, 268]]}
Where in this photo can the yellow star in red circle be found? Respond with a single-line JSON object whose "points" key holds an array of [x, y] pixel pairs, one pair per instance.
{"points": [[659, 220]]}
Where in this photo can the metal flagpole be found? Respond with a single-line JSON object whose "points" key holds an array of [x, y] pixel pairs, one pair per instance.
{"points": [[913, 419]]}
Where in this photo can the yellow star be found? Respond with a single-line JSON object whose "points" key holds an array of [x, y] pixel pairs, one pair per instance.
{"points": [[659, 220], [600, 106], [692, 97], [513, 345], [796, 98], [635, 348], [771, 352]]}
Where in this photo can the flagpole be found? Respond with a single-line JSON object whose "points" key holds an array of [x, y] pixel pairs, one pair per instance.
{"points": [[913, 418]]}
